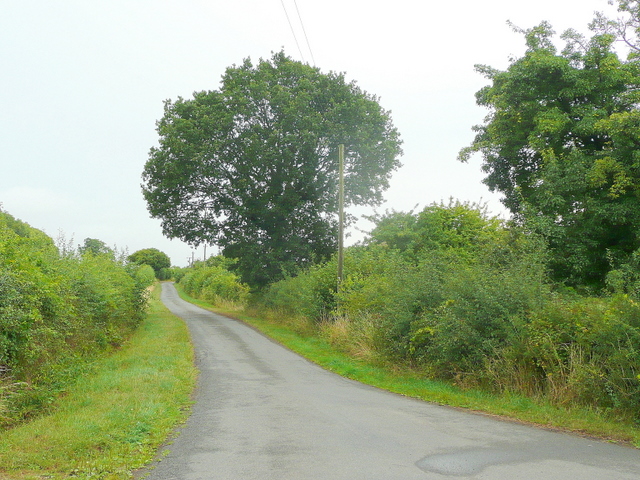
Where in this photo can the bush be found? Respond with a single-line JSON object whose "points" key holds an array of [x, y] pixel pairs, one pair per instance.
{"points": [[311, 294], [57, 311], [145, 275], [159, 261], [587, 351], [164, 274], [214, 284], [625, 277], [176, 273]]}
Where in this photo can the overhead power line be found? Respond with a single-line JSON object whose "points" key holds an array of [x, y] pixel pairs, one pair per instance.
{"points": [[292, 30], [304, 31]]}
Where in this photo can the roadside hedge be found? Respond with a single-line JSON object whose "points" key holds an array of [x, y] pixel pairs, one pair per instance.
{"points": [[58, 309], [213, 282], [463, 297]]}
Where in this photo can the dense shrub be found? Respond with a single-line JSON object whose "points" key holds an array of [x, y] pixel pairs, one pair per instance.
{"points": [[176, 273], [145, 275], [479, 311], [578, 350], [164, 274], [57, 310], [624, 278], [311, 295], [372, 282], [215, 284]]}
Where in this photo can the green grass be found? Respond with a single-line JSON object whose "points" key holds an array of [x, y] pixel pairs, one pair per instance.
{"points": [[411, 383], [113, 420]]}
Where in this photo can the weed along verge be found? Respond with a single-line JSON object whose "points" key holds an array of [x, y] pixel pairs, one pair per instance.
{"points": [[113, 420]]}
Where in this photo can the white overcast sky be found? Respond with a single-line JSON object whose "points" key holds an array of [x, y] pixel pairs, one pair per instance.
{"points": [[82, 84]]}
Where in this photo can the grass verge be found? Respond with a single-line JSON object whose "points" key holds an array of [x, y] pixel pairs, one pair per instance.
{"points": [[112, 421], [405, 381]]}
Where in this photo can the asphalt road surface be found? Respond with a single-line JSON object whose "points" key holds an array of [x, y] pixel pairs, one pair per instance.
{"points": [[262, 412]]}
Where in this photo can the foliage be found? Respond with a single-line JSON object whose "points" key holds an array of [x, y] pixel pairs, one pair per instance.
{"points": [[456, 226], [144, 275], [469, 276], [95, 247], [214, 283], [431, 252], [176, 273], [112, 420], [478, 309], [397, 230], [561, 143], [466, 298], [252, 167], [56, 312], [575, 350], [159, 261], [626, 28], [626, 278], [311, 294]]}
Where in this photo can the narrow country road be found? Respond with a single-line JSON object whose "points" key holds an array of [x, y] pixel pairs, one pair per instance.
{"points": [[264, 413]]}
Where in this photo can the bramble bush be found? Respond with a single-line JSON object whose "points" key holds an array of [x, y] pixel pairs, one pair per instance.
{"points": [[58, 309]]}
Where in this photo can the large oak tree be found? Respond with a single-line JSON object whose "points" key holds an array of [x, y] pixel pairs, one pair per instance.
{"points": [[253, 165]]}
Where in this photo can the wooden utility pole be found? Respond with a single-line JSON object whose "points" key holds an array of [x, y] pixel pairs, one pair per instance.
{"points": [[340, 212]]}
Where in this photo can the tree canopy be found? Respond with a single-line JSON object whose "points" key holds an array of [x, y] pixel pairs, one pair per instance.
{"points": [[252, 166], [561, 143], [153, 257], [457, 227], [95, 247]]}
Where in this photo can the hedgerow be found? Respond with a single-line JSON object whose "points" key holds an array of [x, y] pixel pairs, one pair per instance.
{"points": [[213, 282], [58, 309]]}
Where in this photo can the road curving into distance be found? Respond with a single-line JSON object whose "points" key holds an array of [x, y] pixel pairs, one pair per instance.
{"points": [[262, 412]]}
